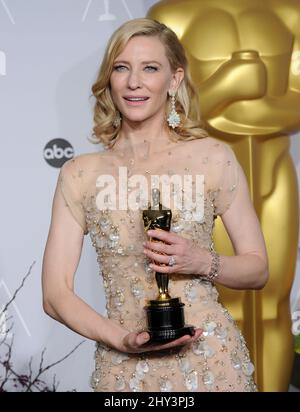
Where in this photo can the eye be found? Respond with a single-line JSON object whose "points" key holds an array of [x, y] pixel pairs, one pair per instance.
{"points": [[151, 68], [119, 68]]}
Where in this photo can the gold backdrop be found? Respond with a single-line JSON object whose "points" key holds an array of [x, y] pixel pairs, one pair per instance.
{"points": [[245, 60]]}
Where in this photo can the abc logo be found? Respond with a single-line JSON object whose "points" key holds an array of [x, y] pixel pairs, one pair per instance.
{"points": [[57, 152]]}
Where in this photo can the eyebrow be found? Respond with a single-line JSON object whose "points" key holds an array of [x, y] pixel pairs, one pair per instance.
{"points": [[145, 62]]}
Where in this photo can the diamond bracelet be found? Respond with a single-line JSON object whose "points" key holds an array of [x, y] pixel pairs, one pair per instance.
{"points": [[215, 266]]}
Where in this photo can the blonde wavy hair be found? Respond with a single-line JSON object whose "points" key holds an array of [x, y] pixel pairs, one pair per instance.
{"points": [[187, 102]]}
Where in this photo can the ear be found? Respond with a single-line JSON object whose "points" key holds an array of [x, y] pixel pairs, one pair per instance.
{"points": [[177, 78]]}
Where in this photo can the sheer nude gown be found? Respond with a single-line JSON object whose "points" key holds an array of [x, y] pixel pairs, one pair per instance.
{"points": [[219, 360]]}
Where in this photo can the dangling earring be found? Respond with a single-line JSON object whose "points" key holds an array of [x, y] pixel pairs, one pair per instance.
{"points": [[117, 120], [173, 117]]}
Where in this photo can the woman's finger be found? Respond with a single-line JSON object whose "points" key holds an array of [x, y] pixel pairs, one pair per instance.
{"points": [[159, 247], [168, 237], [183, 340], [142, 338], [163, 269], [157, 257]]}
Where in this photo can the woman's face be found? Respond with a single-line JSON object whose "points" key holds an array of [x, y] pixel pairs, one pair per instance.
{"points": [[141, 78]]}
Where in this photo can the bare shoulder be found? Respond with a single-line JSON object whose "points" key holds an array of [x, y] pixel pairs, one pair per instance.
{"points": [[209, 146], [217, 144], [85, 161], [89, 158]]}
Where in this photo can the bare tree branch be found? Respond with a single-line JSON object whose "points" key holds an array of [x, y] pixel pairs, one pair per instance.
{"points": [[44, 369], [19, 288], [23, 382]]}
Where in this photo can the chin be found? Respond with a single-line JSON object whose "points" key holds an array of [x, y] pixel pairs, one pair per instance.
{"points": [[136, 119]]}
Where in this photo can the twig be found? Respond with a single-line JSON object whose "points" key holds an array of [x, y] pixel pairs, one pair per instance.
{"points": [[17, 290], [28, 383], [43, 370]]}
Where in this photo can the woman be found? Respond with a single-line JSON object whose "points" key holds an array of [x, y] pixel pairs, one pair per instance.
{"points": [[147, 116]]}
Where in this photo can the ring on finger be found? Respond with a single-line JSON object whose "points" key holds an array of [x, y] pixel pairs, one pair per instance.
{"points": [[172, 261]]}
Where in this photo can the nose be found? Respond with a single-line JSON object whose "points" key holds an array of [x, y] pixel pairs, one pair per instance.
{"points": [[134, 80]]}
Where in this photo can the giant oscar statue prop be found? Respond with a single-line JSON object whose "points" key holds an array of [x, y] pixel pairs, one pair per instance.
{"points": [[165, 315], [244, 59]]}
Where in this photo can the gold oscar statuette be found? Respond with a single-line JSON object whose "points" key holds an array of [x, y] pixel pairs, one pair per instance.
{"points": [[165, 315], [244, 60]]}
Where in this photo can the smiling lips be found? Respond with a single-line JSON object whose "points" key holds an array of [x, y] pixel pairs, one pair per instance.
{"points": [[136, 100]]}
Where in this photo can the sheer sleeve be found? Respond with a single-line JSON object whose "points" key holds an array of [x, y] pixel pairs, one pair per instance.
{"points": [[226, 171], [70, 185]]}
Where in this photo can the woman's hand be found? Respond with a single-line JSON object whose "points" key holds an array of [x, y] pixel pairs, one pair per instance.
{"points": [[189, 258], [137, 342]]}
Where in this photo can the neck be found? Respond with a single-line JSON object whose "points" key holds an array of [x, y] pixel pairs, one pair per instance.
{"points": [[142, 139]]}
